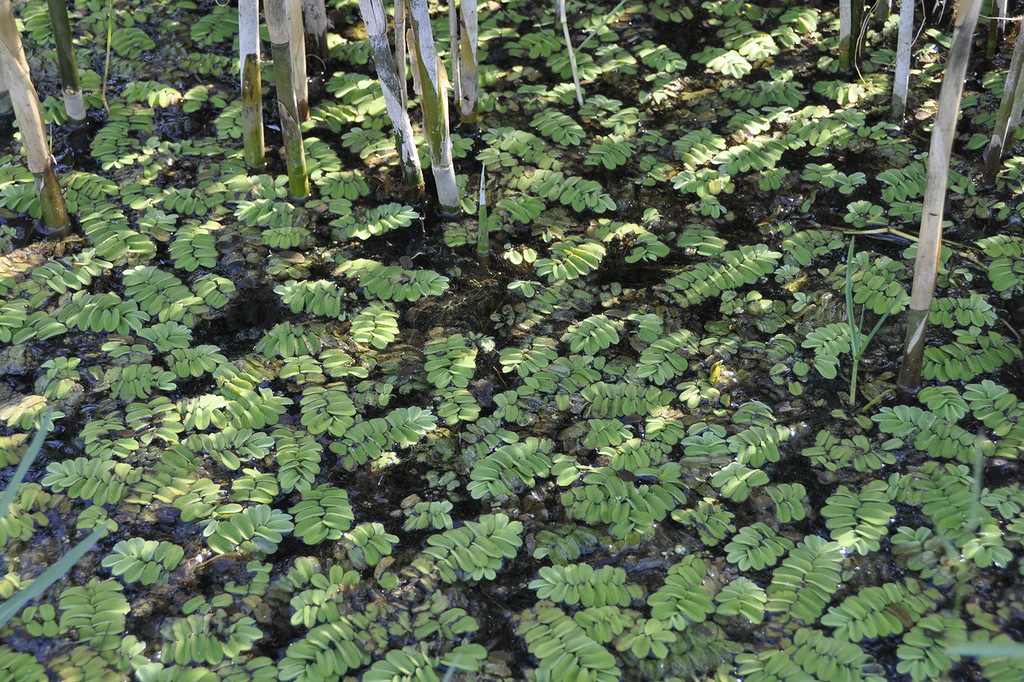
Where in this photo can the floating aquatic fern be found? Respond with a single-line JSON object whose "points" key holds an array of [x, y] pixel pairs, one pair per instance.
{"points": [[858, 521], [510, 468], [202, 638], [833, 453], [570, 259], [756, 546], [40, 621], [648, 637], [736, 480], [70, 274], [698, 147], [376, 325], [521, 207], [804, 584], [288, 340], [562, 647], [623, 400], [322, 602], [788, 499], [458, 405], [450, 362], [683, 600], [564, 543], [298, 459], [167, 336], [947, 498], [1006, 271], [375, 222], [432, 515], [559, 127], [367, 544], [214, 290], [102, 313], [974, 352], [196, 498], [327, 408], [880, 611], [506, 147], [758, 444], [253, 529], [994, 406], [476, 550], [742, 597], [593, 334], [813, 654], [573, 584], [412, 662], [136, 381], [317, 297], [610, 152], [756, 154], [712, 522], [975, 311], [922, 655], [101, 481], [666, 358], [804, 246], [195, 361], [569, 190], [603, 433], [251, 408], [933, 434], [323, 514], [254, 486], [828, 342], [393, 283], [604, 623], [25, 513], [703, 280], [13, 316], [628, 507], [145, 561]]}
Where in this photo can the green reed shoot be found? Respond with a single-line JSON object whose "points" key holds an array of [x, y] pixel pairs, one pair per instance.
{"points": [[12, 606], [858, 342]]}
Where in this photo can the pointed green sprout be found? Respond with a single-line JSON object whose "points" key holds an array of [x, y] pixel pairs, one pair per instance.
{"points": [[54, 573]]}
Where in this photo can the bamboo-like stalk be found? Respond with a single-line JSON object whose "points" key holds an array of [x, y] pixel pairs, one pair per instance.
{"points": [[453, 48], [904, 50], [376, 28], [992, 18], [400, 54], [412, 54], [845, 33], [279, 25], [926, 266], [297, 56], [1013, 97], [435, 107], [483, 236], [468, 82], [5, 97], [29, 113], [67, 64], [572, 55], [314, 14], [109, 16], [251, 82]]}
